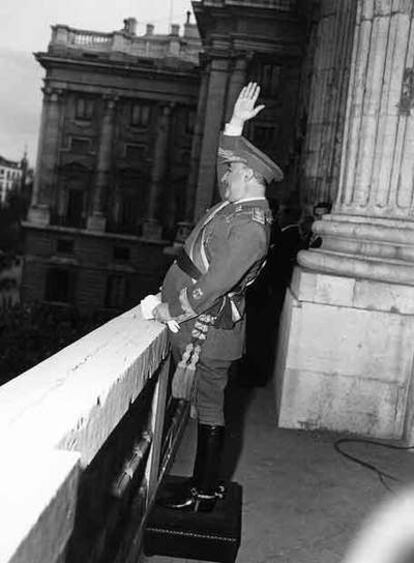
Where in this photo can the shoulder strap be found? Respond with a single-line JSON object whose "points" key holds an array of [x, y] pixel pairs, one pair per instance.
{"points": [[201, 230]]}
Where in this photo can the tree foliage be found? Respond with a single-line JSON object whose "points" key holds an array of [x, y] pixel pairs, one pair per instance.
{"points": [[31, 333]]}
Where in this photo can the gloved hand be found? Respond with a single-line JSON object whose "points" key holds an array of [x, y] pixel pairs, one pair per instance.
{"points": [[153, 308]]}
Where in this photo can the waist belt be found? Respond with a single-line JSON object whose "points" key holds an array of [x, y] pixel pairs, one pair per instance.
{"points": [[223, 309], [185, 264]]}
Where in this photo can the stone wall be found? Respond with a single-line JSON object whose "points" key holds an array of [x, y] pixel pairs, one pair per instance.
{"points": [[91, 263]]}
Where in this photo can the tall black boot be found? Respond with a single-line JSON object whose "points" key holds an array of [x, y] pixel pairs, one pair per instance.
{"points": [[202, 490]]}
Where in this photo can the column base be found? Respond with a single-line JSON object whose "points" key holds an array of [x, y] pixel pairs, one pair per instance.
{"points": [[96, 222], [39, 215], [344, 357]]}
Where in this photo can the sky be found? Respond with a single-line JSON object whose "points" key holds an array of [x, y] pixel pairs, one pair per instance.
{"points": [[25, 28]]}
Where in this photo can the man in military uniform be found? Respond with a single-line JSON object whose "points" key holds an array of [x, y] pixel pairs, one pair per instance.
{"points": [[204, 289]]}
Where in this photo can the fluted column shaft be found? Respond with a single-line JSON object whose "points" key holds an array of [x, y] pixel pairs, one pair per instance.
{"points": [[104, 158], [378, 155], [327, 100], [371, 230], [196, 147], [47, 152], [212, 124], [160, 163]]}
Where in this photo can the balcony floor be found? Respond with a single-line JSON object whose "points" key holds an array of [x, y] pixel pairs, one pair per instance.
{"points": [[302, 501]]}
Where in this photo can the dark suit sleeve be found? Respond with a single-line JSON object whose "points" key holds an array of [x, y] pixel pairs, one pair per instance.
{"points": [[234, 248]]}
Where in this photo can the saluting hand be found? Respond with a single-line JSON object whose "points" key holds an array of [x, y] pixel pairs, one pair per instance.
{"points": [[244, 108]]}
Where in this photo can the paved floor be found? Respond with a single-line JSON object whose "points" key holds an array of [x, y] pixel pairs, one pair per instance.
{"points": [[303, 501]]}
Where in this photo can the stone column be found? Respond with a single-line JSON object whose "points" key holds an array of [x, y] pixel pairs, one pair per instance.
{"points": [[97, 220], [196, 146], [236, 82], [345, 355], [216, 97], [47, 154], [152, 229], [327, 100]]}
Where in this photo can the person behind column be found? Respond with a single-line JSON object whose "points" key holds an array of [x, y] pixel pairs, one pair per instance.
{"points": [[204, 291], [319, 210]]}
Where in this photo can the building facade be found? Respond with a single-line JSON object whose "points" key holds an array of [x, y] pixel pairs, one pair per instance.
{"points": [[113, 160], [262, 41], [11, 176]]}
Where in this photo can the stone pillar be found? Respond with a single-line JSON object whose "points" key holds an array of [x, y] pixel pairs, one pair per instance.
{"points": [[327, 100], [345, 355], [236, 82], [196, 146], [97, 220], [47, 154], [216, 97], [152, 229]]}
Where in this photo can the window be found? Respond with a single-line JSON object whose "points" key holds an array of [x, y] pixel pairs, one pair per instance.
{"points": [[129, 210], [190, 119], [134, 152], [79, 146], [1, 171], [121, 253], [117, 290], [64, 246], [74, 211], [57, 287], [140, 115], [84, 108], [268, 76]]}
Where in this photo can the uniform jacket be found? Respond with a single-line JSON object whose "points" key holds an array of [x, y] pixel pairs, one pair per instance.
{"points": [[233, 239]]}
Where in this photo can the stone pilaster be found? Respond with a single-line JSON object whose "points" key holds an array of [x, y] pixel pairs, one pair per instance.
{"points": [[196, 146], [216, 96], [345, 358], [152, 229], [97, 220], [47, 154]]}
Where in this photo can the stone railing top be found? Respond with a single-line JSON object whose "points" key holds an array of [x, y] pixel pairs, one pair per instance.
{"points": [[74, 399], [55, 417], [185, 47], [285, 5]]}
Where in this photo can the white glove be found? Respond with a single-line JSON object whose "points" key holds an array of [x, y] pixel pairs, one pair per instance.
{"points": [[173, 326], [148, 305]]}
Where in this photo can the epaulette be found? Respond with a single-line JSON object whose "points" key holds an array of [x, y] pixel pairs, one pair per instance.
{"points": [[258, 215]]}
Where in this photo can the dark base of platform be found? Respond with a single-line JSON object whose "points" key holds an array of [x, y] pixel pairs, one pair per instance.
{"points": [[212, 536]]}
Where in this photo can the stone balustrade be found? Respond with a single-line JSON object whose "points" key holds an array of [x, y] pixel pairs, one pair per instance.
{"points": [[286, 5], [185, 47], [81, 440]]}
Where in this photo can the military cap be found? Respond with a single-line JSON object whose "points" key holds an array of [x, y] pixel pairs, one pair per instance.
{"points": [[244, 151]]}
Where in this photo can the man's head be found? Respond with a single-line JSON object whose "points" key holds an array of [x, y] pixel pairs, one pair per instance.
{"points": [[240, 181], [249, 171], [321, 208]]}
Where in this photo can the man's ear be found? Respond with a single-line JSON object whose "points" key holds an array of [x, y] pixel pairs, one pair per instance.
{"points": [[248, 173]]}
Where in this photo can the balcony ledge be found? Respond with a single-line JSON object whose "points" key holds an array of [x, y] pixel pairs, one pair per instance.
{"points": [[55, 418]]}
